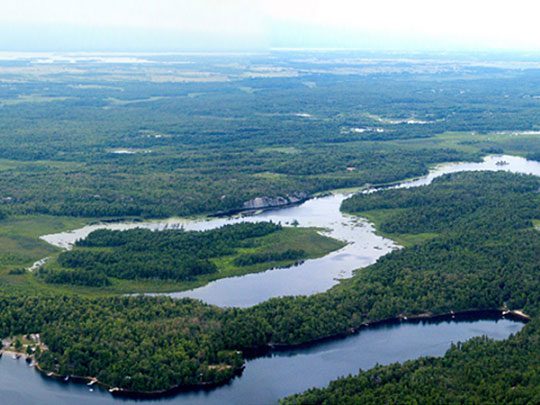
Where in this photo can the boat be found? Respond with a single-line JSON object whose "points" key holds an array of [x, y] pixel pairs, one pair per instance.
{"points": [[502, 163]]}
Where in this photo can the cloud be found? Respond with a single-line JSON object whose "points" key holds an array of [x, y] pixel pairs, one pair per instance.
{"points": [[184, 15]]}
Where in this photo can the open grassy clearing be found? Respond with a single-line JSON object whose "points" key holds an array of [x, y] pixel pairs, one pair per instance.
{"points": [[19, 238], [513, 143]]}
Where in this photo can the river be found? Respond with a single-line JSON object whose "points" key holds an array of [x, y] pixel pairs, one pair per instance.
{"points": [[363, 248], [268, 378]]}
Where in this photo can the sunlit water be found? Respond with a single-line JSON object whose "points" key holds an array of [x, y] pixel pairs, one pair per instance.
{"points": [[364, 246]]}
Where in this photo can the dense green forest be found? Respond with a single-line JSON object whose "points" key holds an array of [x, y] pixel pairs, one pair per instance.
{"points": [[110, 143], [289, 254], [450, 200], [141, 260], [89, 141], [138, 343], [143, 254], [486, 258]]}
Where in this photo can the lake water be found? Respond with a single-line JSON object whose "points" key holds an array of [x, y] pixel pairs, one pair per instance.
{"points": [[267, 379], [313, 276]]}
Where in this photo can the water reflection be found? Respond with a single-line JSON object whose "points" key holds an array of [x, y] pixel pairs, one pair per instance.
{"points": [[313, 276], [266, 379]]}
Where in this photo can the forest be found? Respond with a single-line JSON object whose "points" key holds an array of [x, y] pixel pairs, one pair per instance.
{"points": [[86, 142], [289, 254], [485, 259], [140, 260], [113, 147], [142, 254]]}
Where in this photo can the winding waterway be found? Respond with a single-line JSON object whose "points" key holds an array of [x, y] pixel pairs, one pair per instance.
{"points": [[364, 246], [267, 379]]}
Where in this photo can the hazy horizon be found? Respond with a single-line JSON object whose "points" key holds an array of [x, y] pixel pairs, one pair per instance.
{"points": [[240, 25]]}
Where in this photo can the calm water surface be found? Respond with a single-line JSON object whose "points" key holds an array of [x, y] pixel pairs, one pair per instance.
{"points": [[267, 379], [313, 276]]}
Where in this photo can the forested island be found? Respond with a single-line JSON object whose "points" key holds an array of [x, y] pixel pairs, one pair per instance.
{"points": [[183, 258], [76, 151]]}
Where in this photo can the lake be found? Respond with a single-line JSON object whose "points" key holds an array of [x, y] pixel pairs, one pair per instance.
{"points": [[269, 378], [312, 276]]}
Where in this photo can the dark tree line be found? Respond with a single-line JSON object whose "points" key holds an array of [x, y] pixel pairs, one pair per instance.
{"points": [[144, 254], [486, 258], [264, 257]]}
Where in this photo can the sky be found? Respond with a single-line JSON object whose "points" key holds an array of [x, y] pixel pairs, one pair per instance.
{"points": [[220, 25]]}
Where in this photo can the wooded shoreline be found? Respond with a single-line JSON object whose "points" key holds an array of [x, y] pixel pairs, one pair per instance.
{"points": [[270, 348]]}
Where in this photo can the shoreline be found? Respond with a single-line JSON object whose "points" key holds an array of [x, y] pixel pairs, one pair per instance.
{"points": [[255, 352], [473, 314], [251, 211], [249, 354]]}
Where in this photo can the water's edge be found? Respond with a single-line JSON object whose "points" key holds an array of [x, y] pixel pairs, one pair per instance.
{"points": [[469, 315], [365, 247]]}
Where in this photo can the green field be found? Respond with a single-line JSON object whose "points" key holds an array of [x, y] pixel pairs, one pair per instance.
{"points": [[19, 238], [520, 144]]}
